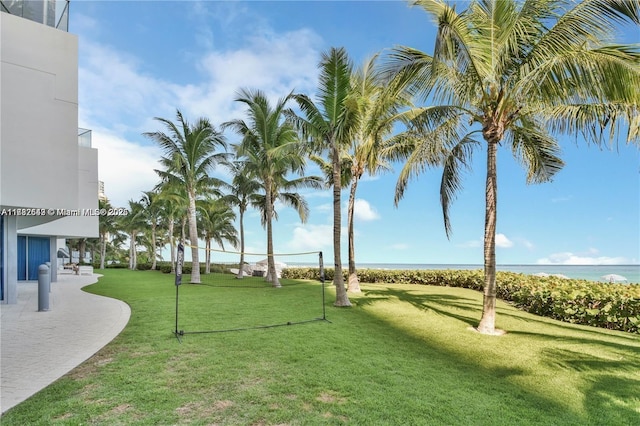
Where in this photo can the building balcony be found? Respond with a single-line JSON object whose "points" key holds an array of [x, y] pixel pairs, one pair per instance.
{"points": [[54, 13]]}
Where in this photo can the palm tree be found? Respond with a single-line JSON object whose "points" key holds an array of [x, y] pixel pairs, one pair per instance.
{"points": [[216, 218], [517, 74], [152, 213], [330, 124], [189, 156], [107, 227], [243, 190], [133, 223], [174, 205], [379, 105], [271, 148]]}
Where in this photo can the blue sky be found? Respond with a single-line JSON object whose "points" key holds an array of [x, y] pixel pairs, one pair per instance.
{"points": [[144, 59]]}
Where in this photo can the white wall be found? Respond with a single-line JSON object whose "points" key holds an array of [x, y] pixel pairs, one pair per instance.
{"points": [[38, 115], [41, 164], [83, 226]]}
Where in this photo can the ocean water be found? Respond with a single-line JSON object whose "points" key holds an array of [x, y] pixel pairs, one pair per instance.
{"points": [[585, 272]]}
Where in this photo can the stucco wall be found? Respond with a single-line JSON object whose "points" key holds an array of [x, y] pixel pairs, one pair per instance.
{"points": [[39, 159], [85, 225]]}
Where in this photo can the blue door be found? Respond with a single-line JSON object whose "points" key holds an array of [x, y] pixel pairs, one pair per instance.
{"points": [[22, 257], [38, 249], [32, 252]]}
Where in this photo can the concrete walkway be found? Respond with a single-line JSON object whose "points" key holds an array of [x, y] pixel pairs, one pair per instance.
{"points": [[37, 348]]}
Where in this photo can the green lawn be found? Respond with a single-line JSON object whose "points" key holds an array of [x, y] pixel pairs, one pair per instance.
{"points": [[403, 355]]}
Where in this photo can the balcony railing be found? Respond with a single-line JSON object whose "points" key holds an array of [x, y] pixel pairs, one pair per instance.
{"points": [[84, 138], [54, 13]]}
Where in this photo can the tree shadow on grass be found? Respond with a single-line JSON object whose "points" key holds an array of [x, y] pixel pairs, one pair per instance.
{"points": [[613, 396], [610, 384], [632, 347], [441, 304]]}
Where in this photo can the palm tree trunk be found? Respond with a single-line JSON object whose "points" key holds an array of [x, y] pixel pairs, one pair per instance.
{"points": [[133, 253], [81, 250], [193, 239], [103, 249], [272, 275], [182, 233], [354, 282], [153, 246], [207, 256], [487, 322], [172, 243], [241, 266], [338, 280]]}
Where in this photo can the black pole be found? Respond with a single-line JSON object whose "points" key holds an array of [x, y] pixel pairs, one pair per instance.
{"points": [[179, 262], [324, 315], [176, 331]]}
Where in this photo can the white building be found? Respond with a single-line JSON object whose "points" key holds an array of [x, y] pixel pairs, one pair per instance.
{"points": [[48, 170]]}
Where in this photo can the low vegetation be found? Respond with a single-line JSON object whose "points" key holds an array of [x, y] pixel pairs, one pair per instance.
{"points": [[612, 306], [403, 354]]}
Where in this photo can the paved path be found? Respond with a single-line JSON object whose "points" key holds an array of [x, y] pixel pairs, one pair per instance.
{"points": [[37, 348]]}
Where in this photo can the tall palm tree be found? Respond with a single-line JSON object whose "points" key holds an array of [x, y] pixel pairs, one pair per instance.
{"points": [[517, 74], [244, 188], [175, 206], [329, 123], [107, 227], [272, 150], [379, 104], [217, 220], [189, 156], [133, 223], [152, 213]]}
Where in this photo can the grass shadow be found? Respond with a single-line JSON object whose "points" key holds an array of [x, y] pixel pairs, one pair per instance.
{"points": [[613, 385], [439, 303]]}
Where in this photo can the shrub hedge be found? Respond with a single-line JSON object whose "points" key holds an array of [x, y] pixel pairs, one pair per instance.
{"points": [[611, 306]]}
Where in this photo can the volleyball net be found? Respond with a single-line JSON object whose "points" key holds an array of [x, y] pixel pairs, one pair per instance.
{"points": [[250, 292]]}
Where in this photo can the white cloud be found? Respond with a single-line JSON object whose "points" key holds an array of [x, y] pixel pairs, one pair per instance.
{"points": [[362, 210], [470, 244], [116, 94], [125, 167], [311, 237], [589, 258], [274, 63], [503, 242], [528, 244]]}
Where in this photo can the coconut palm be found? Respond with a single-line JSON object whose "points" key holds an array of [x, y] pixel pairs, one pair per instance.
{"points": [[217, 224], [272, 150], [379, 104], [189, 156], [107, 228], [517, 74], [243, 190], [152, 213], [329, 123], [133, 223], [174, 206]]}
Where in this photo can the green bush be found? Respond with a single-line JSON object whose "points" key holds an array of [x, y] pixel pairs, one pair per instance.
{"points": [[611, 306], [117, 266], [165, 267]]}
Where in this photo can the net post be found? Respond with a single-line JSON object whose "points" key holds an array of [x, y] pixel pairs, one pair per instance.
{"points": [[178, 282], [324, 315]]}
